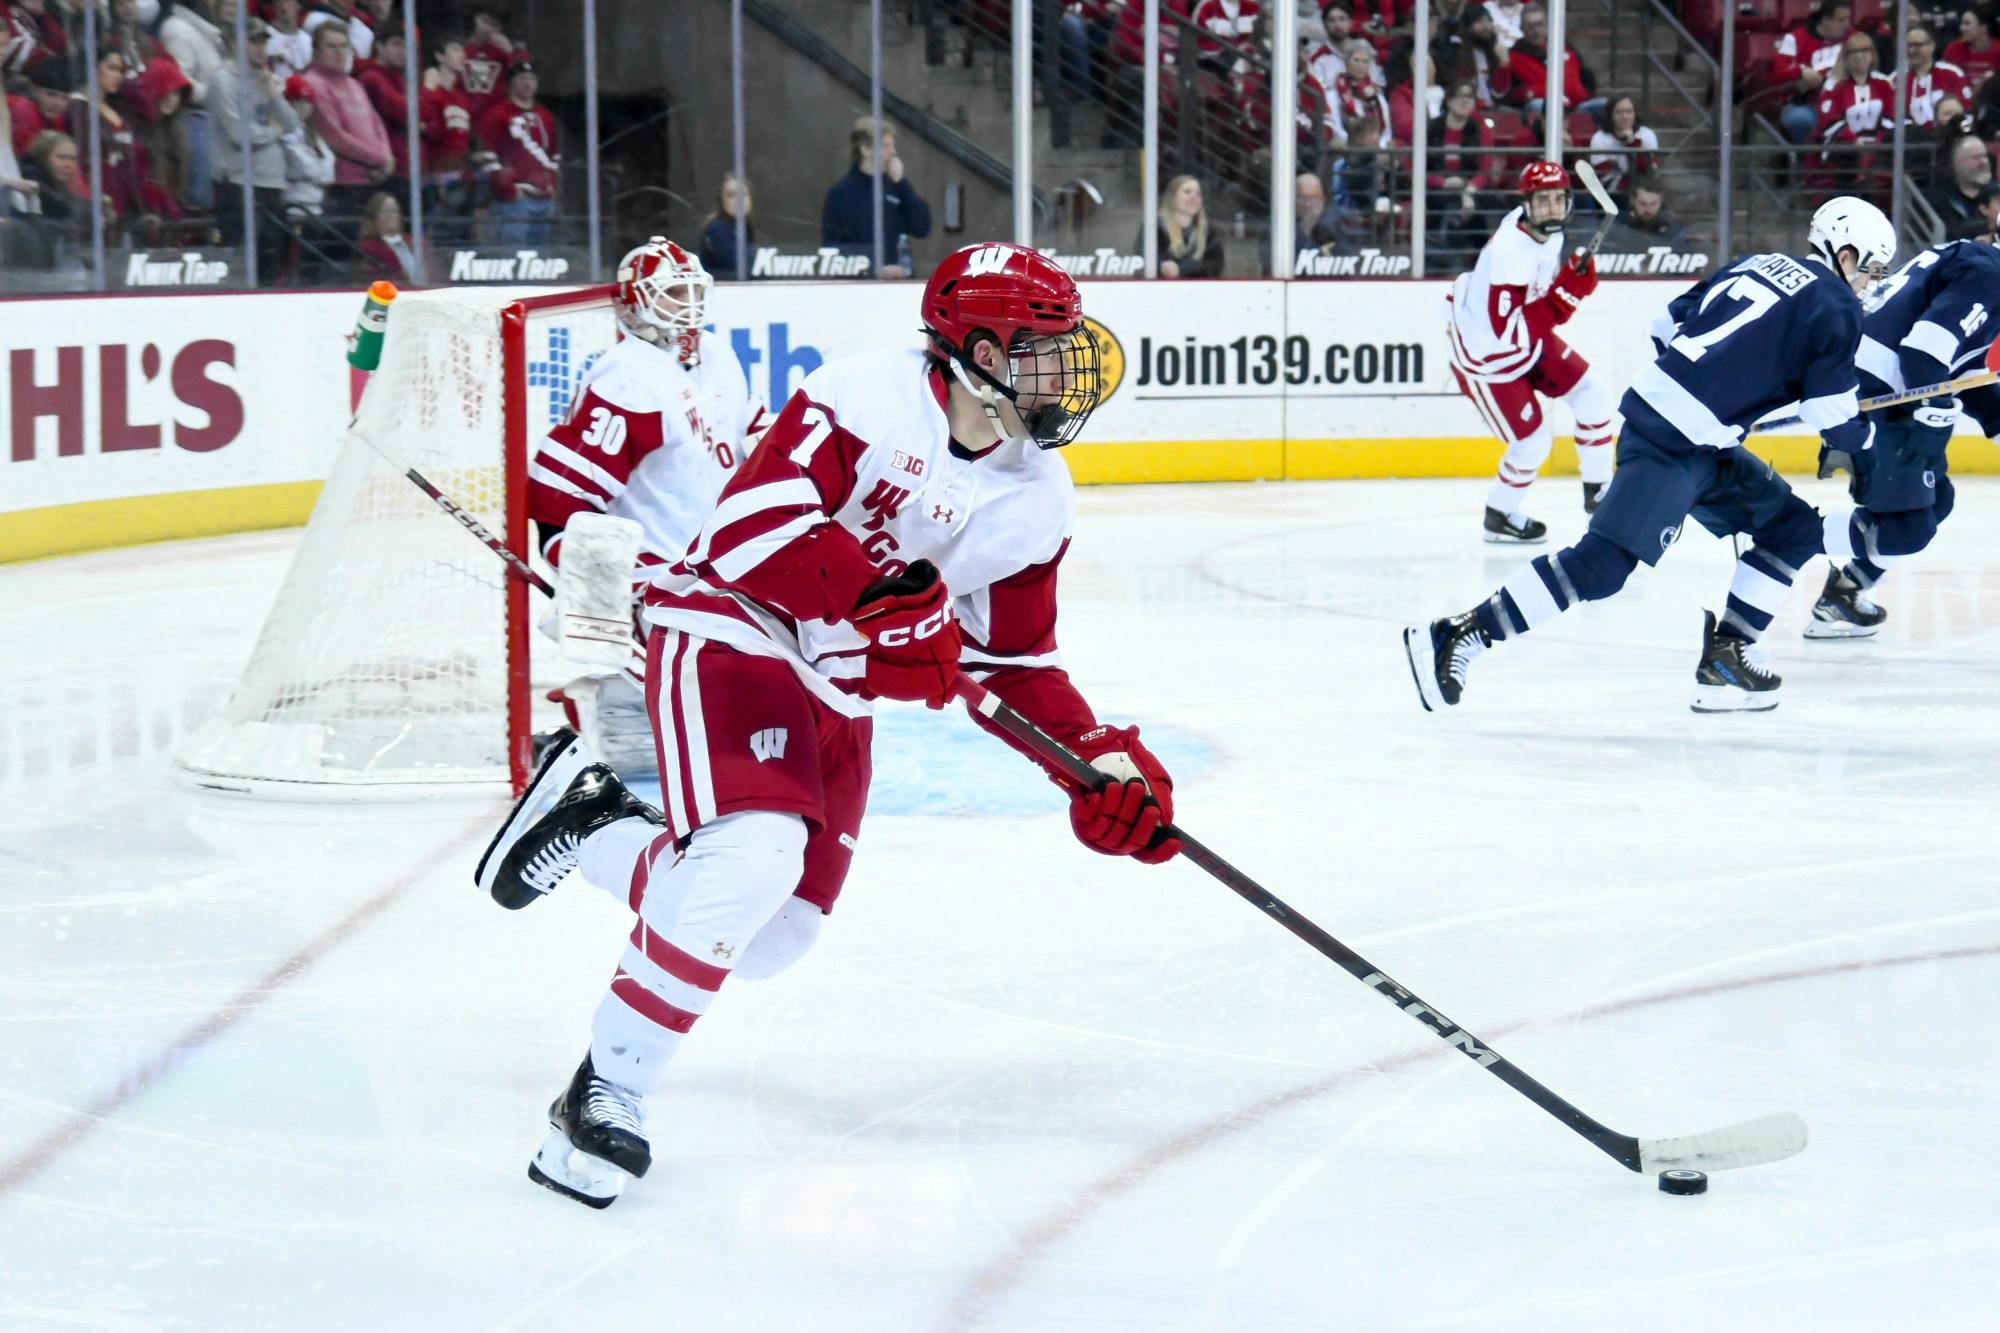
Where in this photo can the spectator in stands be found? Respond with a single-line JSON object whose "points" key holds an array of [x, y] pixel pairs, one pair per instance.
{"points": [[522, 133], [1963, 201], [382, 80], [124, 29], [1805, 60], [446, 130], [1354, 92], [49, 87], [1458, 170], [1506, 22], [1187, 246], [290, 44], [718, 235], [311, 165], [365, 23], [344, 119], [194, 40], [847, 218], [155, 97], [1314, 221], [23, 244], [1931, 80], [54, 166], [1526, 80], [387, 251], [1976, 51], [1856, 110], [1363, 181], [489, 54], [1645, 224], [1467, 51], [270, 117], [1403, 94], [1227, 27], [1623, 149], [30, 30], [130, 195], [1249, 144]]}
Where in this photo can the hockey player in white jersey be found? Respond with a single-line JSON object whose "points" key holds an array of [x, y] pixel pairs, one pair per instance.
{"points": [[902, 522], [1507, 357], [658, 426]]}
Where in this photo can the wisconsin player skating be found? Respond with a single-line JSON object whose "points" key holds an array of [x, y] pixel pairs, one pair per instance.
{"points": [[902, 520], [1507, 357], [1763, 332], [659, 424], [1932, 321]]}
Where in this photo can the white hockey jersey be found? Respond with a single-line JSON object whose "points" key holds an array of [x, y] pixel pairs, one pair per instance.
{"points": [[857, 478], [1490, 334], [646, 439]]}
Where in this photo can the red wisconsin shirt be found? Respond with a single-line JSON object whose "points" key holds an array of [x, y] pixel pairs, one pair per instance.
{"points": [[525, 141]]}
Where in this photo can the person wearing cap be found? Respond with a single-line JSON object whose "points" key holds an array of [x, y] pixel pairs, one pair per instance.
{"points": [[1964, 201], [522, 135], [259, 115]]}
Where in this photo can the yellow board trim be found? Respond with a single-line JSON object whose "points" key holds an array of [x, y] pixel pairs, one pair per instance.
{"points": [[94, 525]]}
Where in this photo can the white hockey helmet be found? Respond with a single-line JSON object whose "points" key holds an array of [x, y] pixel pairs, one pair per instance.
{"points": [[1847, 223], [663, 296]]}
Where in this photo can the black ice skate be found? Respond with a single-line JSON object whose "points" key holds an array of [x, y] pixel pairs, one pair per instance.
{"points": [[569, 799], [1843, 610], [1730, 679], [1440, 654], [1593, 495], [1522, 531], [597, 1138]]}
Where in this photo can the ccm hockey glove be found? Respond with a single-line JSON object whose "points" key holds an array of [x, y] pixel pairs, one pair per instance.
{"points": [[913, 641], [1127, 814]]}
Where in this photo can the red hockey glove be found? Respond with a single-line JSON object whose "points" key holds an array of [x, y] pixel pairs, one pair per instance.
{"points": [[1572, 284], [913, 642], [1127, 814]]}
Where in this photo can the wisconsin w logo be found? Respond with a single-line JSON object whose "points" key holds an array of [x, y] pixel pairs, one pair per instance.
{"points": [[986, 259], [768, 743]]}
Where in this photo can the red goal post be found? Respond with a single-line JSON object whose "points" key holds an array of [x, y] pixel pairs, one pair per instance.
{"points": [[401, 656]]}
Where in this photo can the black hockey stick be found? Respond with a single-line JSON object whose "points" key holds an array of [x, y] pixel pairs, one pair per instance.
{"points": [[515, 564], [1605, 203], [1770, 1138]]}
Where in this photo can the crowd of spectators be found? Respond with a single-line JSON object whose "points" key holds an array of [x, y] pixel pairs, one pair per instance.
{"points": [[320, 132]]}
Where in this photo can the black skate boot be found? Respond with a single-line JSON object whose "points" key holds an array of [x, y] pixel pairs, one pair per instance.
{"points": [[1732, 677], [1593, 495], [569, 800], [1440, 654], [597, 1138], [1523, 531], [1843, 610]]}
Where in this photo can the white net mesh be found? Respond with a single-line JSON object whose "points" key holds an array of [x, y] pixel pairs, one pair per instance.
{"points": [[384, 663]]}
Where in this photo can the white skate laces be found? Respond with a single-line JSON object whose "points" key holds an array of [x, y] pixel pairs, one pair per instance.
{"points": [[606, 1103], [548, 867]]}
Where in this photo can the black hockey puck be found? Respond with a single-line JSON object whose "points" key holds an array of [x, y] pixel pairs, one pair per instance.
{"points": [[1683, 1182]]}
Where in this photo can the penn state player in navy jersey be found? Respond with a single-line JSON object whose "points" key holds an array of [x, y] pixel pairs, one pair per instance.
{"points": [[1931, 322], [1765, 331]]}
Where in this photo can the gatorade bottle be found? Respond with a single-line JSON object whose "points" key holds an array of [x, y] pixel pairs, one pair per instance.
{"points": [[364, 345]]}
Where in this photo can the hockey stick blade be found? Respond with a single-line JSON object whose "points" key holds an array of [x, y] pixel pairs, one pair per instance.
{"points": [[1770, 1138], [1767, 1140], [1605, 203]]}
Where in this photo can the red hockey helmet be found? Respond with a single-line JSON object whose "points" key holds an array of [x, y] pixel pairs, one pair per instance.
{"points": [[1538, 180], [1023, 301], [663, 297]]}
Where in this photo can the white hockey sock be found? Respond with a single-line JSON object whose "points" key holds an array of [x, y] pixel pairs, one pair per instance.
{"points": [[609, 856], [1837, 535], [696, 920]]}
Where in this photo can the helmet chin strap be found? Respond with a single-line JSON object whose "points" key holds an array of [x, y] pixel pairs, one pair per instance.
{"points": [[988, 390]]}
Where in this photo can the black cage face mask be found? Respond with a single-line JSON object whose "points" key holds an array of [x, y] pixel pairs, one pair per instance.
{"points": [[1062, 376]]}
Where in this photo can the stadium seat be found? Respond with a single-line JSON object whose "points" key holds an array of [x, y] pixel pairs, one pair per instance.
{"points": [[1580, 125], [1509, 129], [1755, 51]]}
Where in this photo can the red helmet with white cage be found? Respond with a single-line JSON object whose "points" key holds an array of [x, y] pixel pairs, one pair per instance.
{"points": [[663, 297], [1022, 300], [1539, 181]]}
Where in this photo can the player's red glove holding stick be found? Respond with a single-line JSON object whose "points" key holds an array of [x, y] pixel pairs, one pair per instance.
{"points": [[1128, 813], [913, 643], [1574, 281]]}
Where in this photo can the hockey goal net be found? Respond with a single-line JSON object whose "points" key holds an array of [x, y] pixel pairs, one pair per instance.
{"points": [[398, 654]]}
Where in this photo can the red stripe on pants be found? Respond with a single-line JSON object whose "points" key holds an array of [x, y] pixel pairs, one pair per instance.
{"points": [[676, 962], [650, 1006]]}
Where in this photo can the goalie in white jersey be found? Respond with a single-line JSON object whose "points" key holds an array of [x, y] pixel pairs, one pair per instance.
{"points": [[1507, 357], [658, 426], [902, 521]]}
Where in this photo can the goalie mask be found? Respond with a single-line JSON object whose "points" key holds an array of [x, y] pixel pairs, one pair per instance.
{"points": [[663, 297], [1023, 301]]}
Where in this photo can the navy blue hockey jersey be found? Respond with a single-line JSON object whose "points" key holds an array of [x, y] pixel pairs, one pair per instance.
{"points": [[1763, 332], [1932, 320]]}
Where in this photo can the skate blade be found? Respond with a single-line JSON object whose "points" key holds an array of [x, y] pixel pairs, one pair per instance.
{"points": [[558, 1166], [1416, 647], [1839, 629], [1509, 539], [1729, 699], [558, 770]]}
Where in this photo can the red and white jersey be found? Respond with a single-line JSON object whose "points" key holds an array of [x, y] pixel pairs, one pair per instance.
{"points": [[857, 478], [1232, 20], [1851, 112], [1802, 48], [647, 439], [1940, 81], [1490, 334]]}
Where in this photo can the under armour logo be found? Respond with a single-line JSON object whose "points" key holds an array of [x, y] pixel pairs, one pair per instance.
{"points": [[941, 513], [723, 950], [768, 743]]}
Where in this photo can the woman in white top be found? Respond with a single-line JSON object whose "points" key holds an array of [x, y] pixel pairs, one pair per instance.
{"points": [[1622, 149]]}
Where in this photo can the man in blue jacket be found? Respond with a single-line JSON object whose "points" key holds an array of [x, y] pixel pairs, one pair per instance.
{"points": [[847, 221]]}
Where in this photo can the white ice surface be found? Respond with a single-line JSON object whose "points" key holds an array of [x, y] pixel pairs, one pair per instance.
{"points": [[282, 1068]]}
